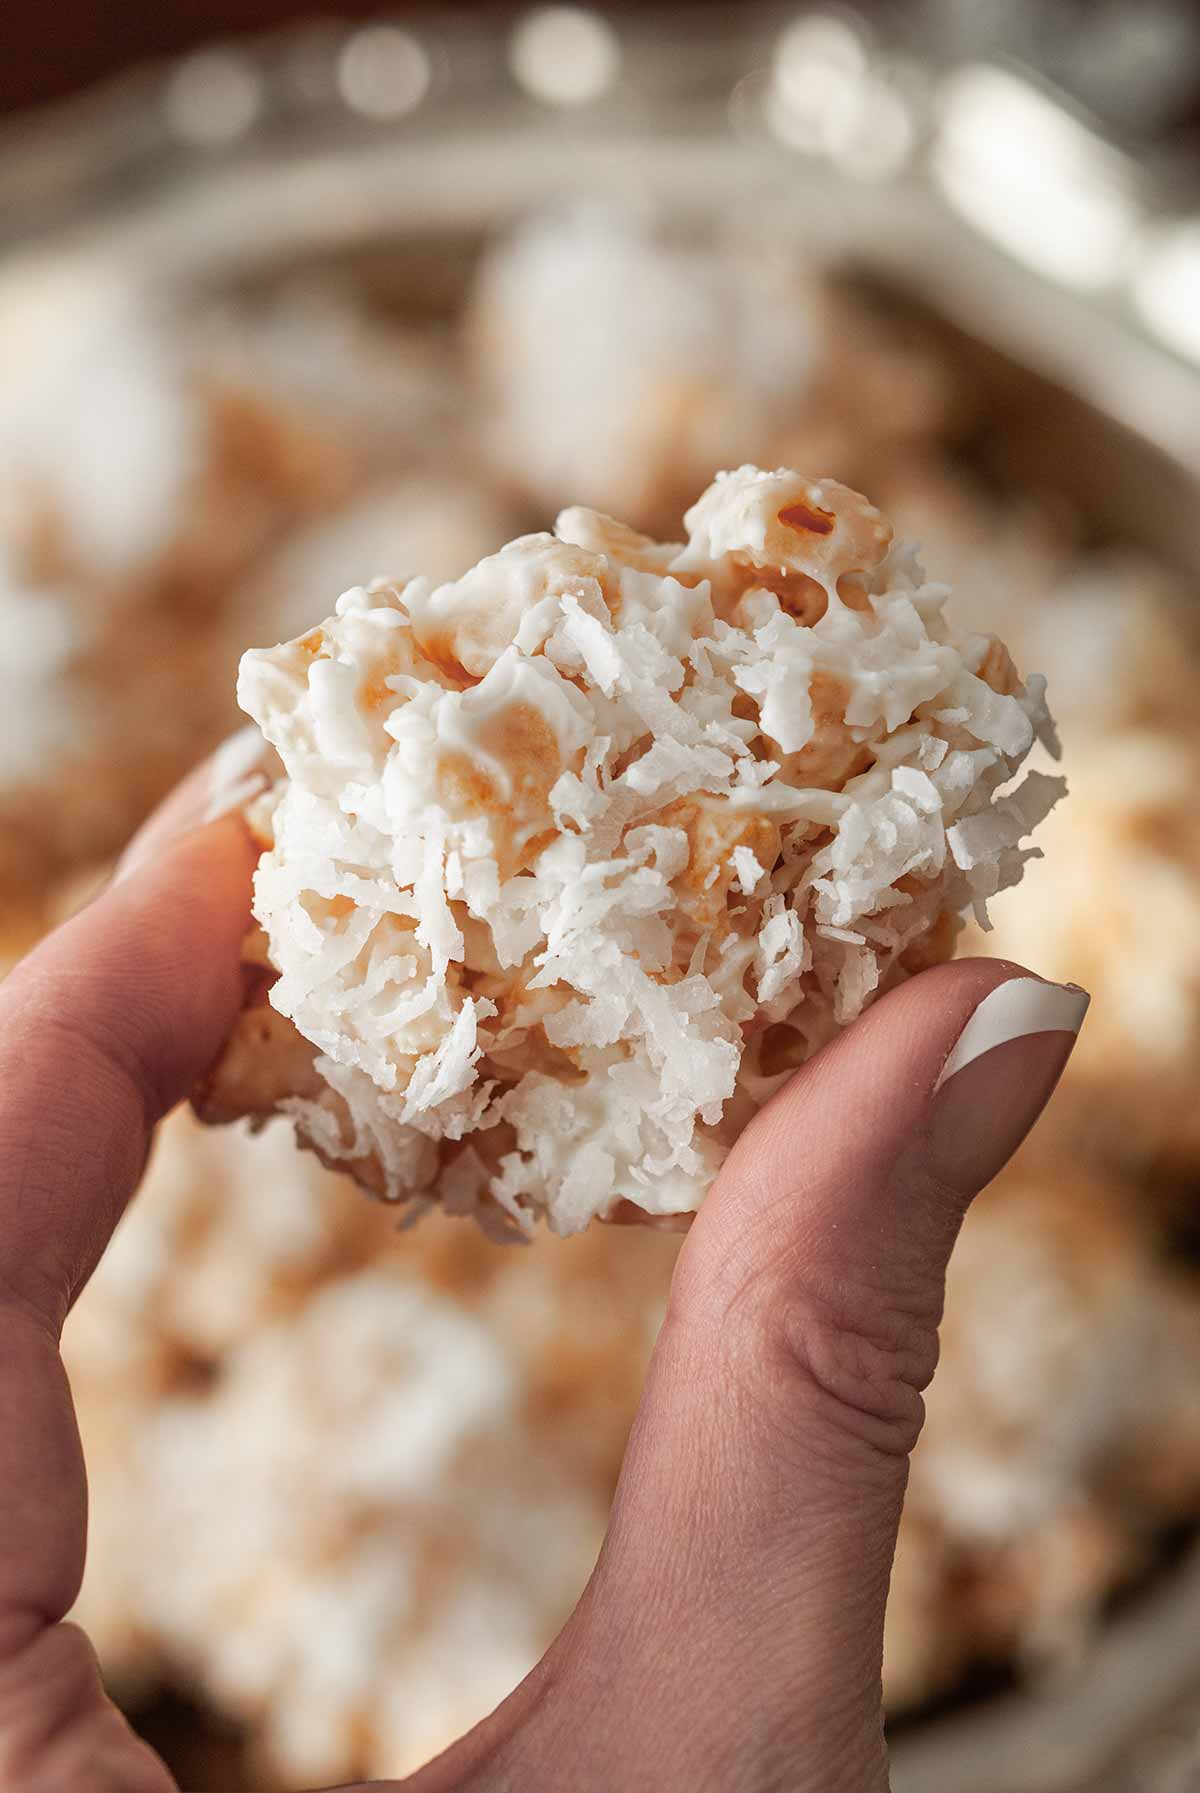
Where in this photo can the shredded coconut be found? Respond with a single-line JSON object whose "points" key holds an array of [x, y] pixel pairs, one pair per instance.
{"points": [[522, 889]]}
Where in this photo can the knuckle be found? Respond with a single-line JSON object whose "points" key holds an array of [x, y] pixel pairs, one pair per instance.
{"points": [[832, 1353], [868, 1363], [36, 1289], [846, 1364], [58, 1729]]}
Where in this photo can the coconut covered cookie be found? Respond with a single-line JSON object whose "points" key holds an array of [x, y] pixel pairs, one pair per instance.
{"points": [[674, 352], [577, 856]]}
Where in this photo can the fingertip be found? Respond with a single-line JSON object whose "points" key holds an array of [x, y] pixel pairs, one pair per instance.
{"points": [[152, 966], [878, 1073], [841, 1125], [108, 1023], [206, 860], [220, 786], [179, 921]]}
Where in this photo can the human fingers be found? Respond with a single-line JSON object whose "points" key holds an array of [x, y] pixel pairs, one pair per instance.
{"points": [[732, 1634], [102, 1028], [222, 785]]}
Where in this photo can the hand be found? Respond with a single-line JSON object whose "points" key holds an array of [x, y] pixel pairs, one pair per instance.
{"points": [[730, 1637]]}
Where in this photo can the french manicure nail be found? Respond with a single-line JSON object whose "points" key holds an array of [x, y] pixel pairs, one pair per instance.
{"points": [[999, 1076], [239, 772], [1023, 1005]]}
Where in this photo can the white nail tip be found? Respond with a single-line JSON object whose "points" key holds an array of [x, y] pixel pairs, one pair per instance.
{"points": [[236, 797], [239, 772], [1022, 1006]]}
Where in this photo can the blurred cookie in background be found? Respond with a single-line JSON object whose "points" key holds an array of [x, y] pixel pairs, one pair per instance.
{"points": [[433, 523], [346, 1484], [1062, 1436], [621, 364]]}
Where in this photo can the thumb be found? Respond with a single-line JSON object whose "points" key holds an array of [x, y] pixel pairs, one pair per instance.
{"points": [[738, 1604]]}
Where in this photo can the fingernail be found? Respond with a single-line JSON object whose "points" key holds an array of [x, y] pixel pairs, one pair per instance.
{"points": [[1013, 1011], [999, 1076], [239, 772]]}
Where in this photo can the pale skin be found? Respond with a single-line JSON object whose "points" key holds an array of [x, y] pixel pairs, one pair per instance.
{"points": [[731, 1634]]}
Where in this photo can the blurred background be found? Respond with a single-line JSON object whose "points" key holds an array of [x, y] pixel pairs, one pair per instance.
{"points": [[288, 301]]}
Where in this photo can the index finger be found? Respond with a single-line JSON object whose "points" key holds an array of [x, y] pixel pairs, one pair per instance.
{"points": [[102, 1028]]}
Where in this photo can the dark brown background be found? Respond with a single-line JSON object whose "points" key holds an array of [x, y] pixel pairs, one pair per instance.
{"points": [[50, 48], [53, 47]]}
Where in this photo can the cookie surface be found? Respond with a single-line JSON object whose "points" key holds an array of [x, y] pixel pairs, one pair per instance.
{"points": [[579, 855]]}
